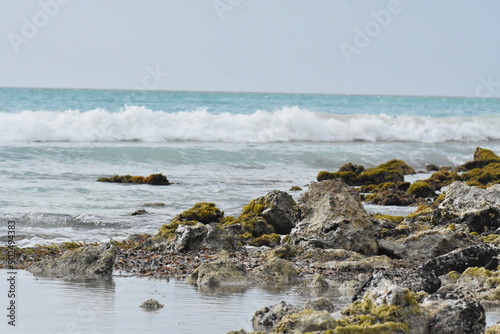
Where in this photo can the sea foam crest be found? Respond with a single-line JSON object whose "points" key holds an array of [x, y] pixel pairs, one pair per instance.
{"points": [[284, 125]]}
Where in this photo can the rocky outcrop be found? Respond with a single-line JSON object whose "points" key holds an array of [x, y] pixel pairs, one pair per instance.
{"points": [[85, 262], [199, 236], [414, 281], [454, 310], [333, 217], [153, 179], [426, 244], [463, 199], [218, 273], [458, 260], [279, 210], [268, 316], [393, 197]]}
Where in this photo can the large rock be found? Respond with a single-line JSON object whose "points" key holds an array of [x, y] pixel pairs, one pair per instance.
{"points": [[414, 281], [454, 310], [461, 259], [279, 210], [461, 199], [268, 316], [84, 262], [425, 244], [218, 274], [333, 217]]}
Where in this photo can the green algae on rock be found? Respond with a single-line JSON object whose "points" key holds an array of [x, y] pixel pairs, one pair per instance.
{"points": [[153, 179], [482, 157], [203, 212]]}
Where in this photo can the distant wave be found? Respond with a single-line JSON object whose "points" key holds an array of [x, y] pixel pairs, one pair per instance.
{"points": [[284, 125]]}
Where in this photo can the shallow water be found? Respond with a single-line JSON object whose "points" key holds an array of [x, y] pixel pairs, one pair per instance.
{"points": [[47, 305], [90, 306]]}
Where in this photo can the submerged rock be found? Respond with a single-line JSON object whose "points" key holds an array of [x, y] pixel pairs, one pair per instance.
{"points": [[88, 262], [153, 179], [151, 304], [333, 217], [218, 273]]}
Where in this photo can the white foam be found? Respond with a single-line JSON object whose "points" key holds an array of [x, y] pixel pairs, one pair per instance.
{"points": [[284, 125]]}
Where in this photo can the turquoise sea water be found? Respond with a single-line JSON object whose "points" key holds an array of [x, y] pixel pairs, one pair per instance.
{"points": [[225, 148]]}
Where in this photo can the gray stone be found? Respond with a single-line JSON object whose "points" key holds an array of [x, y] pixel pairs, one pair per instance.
{"points": [[267, 317], [280, 211], [276, 272], [333, 217], [88, 262], [320, 304], [425, 244], [454, 310], [217, 274]]}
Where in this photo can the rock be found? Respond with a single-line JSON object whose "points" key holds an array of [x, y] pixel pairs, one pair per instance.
{"points": [[277, 272], [386, 309], [454, 310], [413, 281], [348, 288], [481, 221], [88, 262], [485, 284], [333, 217], [278, 208], [461, 259], [153, 179], [203, 212], [421, 189], [482, 158], [485, 176], [365, 265], [267, 317], [319, 282], [349, 167], [151, 304], [425, 244], [217, 274], [220, 239], [139, 212], [461, 199], [188, 238], [393, 197], [431, 168], [306, 321], [495, 329], [319, 304]]}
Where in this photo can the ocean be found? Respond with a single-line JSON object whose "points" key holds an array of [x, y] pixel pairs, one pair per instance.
{"points": [[226, 148]]}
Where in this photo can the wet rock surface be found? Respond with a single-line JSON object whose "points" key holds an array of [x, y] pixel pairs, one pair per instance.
{"points": [[84, 262]]}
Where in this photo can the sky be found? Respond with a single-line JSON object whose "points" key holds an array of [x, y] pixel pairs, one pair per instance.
{"points": [[387, 47]]}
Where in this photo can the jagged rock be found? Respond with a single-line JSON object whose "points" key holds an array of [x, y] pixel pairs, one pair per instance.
{"points": [[484, 283], [461, 259], [482, 158], [218, 273], [277, 272], [425, 244], [267, 317], [480, 221], [151, 304], [319, 304], [188, 238], [462, 199], [413, 281], [88, 261], [454, 310], [279, 210], [333, 217]]}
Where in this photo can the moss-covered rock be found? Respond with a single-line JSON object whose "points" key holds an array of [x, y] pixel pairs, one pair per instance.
{"points": [[379, 175], [486, 176], [392, 197], [421, 189], [153, 179], [482, 157], [349, 177], [167, 231], [270, 240], [203, 212]]}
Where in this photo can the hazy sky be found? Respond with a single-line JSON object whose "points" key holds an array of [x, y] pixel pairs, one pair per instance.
{"points": [[420, 47]]}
